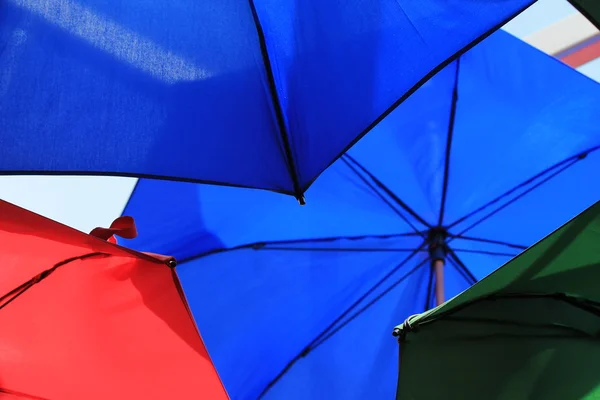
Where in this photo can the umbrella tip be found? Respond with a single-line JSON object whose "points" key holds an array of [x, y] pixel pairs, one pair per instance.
{"points": [[301, 200]]}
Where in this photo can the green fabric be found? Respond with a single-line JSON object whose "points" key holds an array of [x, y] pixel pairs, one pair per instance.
{"points": [[512, 336], [589, 8]]}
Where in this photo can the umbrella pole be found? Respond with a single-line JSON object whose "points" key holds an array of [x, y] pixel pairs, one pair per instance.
{"points": [[437, 253], [438, 266]]}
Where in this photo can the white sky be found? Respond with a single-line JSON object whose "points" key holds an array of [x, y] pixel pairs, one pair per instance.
{"points": [[87, 202]]}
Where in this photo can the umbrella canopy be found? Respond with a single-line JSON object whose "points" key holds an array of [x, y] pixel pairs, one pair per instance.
{"points": [[262, 93], [303, 299], [528, 331], [86, 319]]}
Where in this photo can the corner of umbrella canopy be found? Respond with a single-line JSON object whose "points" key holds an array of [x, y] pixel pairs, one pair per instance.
{"points": [[168, 260], [125, 227], [409, 325]]}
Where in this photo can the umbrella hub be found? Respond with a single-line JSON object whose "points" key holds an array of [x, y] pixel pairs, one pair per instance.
{"points": [[436, 242]]}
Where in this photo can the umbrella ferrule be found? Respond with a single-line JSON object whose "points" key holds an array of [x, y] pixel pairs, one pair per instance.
{"points": [[401, 331]]}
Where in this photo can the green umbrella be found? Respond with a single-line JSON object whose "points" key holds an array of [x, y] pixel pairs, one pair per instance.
{"points": [[589, 8], [531, 330]]}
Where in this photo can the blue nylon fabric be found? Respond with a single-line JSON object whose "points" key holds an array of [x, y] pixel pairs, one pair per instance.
{"points": [[300, 306], [268, 281], [180, 89], [368, 367], [183, 219]]}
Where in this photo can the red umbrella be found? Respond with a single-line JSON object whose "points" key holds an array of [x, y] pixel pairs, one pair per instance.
{"points": [[83, 318]]}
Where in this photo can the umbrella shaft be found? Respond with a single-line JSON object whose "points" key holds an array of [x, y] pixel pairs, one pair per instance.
{"points": [[438, 266]]}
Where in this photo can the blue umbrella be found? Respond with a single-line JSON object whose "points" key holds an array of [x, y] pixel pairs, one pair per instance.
{"points": [[498, 149], [254, 93]]}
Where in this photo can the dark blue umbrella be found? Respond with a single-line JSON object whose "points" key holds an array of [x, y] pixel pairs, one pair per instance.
{"points": [[497, 150], [254, 93]]}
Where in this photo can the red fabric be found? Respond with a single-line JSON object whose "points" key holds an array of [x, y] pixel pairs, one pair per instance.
{"points": [[110, 324], [122, 226]]}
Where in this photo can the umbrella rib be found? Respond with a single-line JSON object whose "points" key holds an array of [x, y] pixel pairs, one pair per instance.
{"points": [[338, 249], [285, 138], [379, 194], [497, 321], [387, 191], [575, 158], [490, 253], [461, 267], [579, 302], [20, 395], [589, 306], [9, 297], [334, 238], [491, 241], [576, 333], [370, 304], [461, 271], [307, 349], [367, 293], [424, 80], [261, 245], [514, 199], [429, 298], [449, 143]]}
